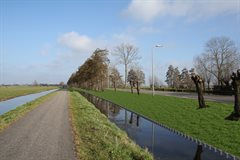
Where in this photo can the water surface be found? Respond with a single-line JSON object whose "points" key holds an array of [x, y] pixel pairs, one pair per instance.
{"points": [[10, 104], [163, 142]]}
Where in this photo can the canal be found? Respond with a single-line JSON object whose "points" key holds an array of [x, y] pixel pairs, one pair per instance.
{"points": [[10, 104], [163, 142]]}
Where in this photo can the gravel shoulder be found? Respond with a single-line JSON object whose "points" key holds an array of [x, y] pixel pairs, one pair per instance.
{"points": [[44, 133]]}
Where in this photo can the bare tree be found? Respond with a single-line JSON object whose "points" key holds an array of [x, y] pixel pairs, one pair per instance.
{"points": [[126, 54], [115, 78], [132, 76], [202, 68], [140, 79], [220, 58]]}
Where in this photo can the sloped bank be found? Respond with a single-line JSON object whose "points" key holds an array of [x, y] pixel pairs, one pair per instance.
{"points": [[97, 137]]}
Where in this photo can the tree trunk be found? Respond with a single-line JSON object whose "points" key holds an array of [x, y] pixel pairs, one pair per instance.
{"points": [[199, 86], [137, 88], [237, 101], [131, 87], [114, 84], [125, 75], [208, 85], [236, 86]]}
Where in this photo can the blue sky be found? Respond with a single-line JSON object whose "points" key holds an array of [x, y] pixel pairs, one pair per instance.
{"points": [[47, 40]]}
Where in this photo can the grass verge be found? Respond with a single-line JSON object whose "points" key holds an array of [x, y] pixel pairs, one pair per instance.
{"points": [[15, 114], [207, 125], [96, 137], [8, 92]]}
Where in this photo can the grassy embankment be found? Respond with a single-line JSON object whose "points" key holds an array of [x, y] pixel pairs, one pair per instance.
{"points": [[96, 137], [15, 91], [15, 114], [207, 124]]}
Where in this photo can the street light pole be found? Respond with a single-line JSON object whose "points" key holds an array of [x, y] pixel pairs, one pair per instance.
{"points": [[153, 91]]}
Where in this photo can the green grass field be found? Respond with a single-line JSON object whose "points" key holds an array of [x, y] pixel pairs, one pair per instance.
{"points": [[15, 91], [8, 118], [207, 124], [96, 137]]}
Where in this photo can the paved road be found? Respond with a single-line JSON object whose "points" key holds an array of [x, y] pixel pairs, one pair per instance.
{"points": [[43, 134], [216, 98]]}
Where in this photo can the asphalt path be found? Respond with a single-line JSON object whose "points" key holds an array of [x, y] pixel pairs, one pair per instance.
{"points": [[43, 134], [189, 95]]}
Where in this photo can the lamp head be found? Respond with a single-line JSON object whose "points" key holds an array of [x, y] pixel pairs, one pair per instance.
{"points": [[158, 45]]}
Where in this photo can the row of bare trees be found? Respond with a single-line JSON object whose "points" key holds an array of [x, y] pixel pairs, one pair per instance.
{"points": [[93, 73], [135, 78]]}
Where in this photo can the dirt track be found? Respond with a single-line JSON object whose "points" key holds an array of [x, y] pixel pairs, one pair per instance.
{"points": [[43, 134]]}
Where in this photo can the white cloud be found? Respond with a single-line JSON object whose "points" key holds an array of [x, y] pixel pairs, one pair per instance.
{"points": [[144, 9], [76, 42], [147, 10]]}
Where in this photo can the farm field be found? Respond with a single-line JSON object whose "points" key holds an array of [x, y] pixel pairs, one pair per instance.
{"points": [[8, 92], [208, 125]]}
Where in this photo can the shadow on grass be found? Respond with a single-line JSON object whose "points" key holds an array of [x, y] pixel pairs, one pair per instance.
{"points": [[233, 117], [207, 106]]}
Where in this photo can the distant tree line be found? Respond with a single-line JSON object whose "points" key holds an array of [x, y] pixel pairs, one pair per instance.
{"points": [[178, 80], [215, 66], [93, 73]]}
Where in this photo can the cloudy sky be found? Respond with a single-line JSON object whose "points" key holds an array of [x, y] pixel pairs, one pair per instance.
{"points": [[46, 40]]}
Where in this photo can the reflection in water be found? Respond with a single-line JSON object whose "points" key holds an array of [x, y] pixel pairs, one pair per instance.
{"points": [[164, 143], [132, 118], [198, 153]]}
